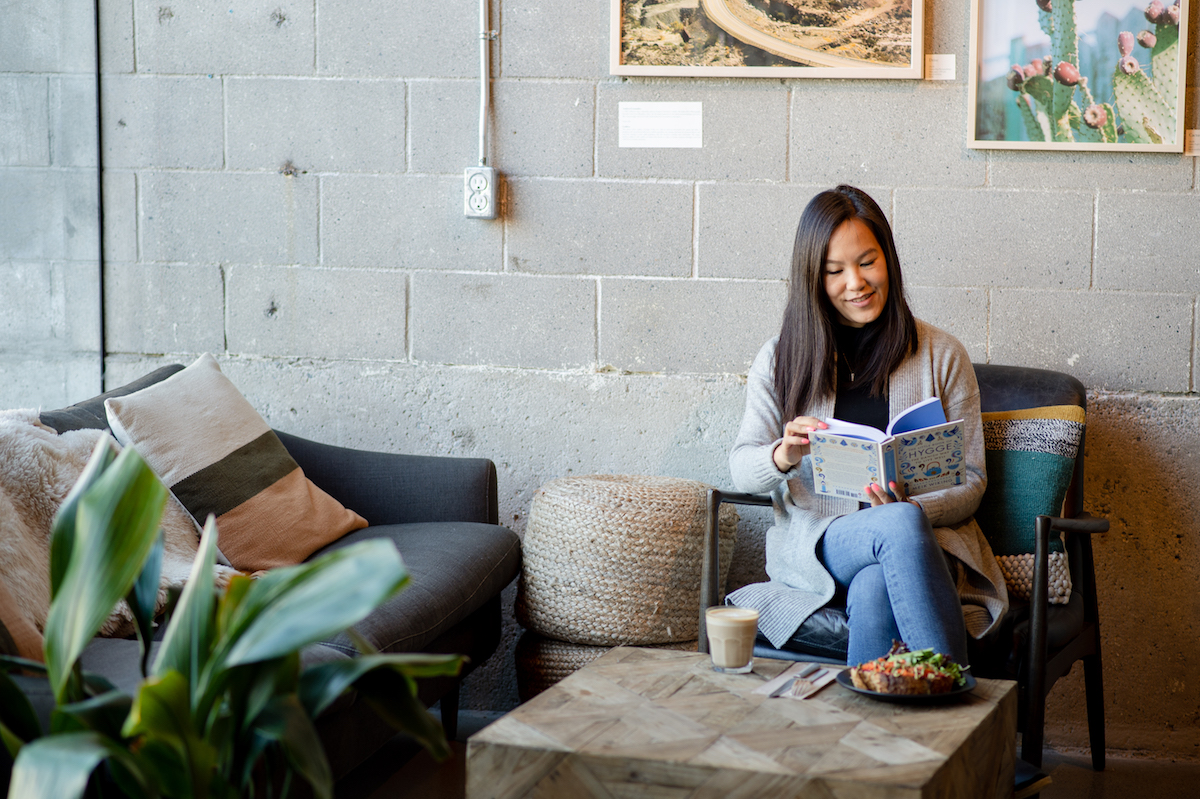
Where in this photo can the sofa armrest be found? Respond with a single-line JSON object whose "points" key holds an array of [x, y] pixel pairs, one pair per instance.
{"points": [[388, 488]]}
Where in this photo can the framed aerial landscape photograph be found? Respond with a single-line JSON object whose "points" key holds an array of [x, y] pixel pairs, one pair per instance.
{"points": [[768, 38], [1060, 75]]}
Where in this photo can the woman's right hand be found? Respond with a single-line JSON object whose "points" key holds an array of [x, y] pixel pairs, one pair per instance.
{"points": [[795, 439]]}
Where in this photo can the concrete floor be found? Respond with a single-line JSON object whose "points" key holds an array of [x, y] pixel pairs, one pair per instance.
{"points": [[1071, 774]]}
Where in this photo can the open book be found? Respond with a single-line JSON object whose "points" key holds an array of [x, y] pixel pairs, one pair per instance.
{"points": [[920, 451]]}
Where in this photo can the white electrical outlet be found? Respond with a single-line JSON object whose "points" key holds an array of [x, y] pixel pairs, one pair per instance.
{"points": [[479, 192]]}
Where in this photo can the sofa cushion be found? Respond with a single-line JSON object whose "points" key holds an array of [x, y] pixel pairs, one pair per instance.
{"points": [[455, 568], [218, 456]]}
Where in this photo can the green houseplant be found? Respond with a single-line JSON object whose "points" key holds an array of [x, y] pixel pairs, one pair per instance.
{"points": [[224, 708]]}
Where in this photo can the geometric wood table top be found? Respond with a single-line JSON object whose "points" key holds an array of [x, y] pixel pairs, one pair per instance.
{"points": [[662, 723]]}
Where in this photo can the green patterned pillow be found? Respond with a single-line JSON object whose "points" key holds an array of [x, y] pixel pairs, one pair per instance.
{"points": [[1030, 458]]}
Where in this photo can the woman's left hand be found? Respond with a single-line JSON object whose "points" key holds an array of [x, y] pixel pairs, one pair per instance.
{"points": [[880, 497]]}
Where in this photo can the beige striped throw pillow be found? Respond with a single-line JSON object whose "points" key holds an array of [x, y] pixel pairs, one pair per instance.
{"points": [[218, 456]]}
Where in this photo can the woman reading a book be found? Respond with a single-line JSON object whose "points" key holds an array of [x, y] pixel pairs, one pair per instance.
{"points": [[913, 569]]}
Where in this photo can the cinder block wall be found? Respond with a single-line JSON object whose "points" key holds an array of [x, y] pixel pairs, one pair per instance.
{"points": [[49, 201], [283, 189]]}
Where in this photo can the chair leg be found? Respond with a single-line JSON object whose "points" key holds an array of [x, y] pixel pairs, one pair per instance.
{"points": [[1034, 734], [1093, 681], [449, 704]]}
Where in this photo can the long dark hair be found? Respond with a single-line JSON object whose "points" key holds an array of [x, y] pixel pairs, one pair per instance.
{"points": [[805, 365]]}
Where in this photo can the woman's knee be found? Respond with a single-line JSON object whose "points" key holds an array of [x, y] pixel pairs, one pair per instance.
{"points": [[907, 522], [868, 589]]}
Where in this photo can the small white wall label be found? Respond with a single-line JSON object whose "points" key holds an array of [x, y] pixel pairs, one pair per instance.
{"points": [[660, 124]]}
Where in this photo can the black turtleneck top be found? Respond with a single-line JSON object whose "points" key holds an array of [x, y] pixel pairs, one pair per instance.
{"points": [[854, 402]]}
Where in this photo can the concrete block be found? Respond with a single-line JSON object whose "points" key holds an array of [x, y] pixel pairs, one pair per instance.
{"points": [[227, 217], [1142, 469], [729, 153], [534, 425], [48, 36], [545, 128], [319, 125], [154, 308], [400, 38], [49, 215], [49, 307], [948, 30], [504, 320], [1025, 169], [961, 312], [159, 121], [600, 227], [1147, 242], [539, 128], [957, 237], [120, 216], [443, 122], [116, 36], [1119, 340], [73, 121], [886, 133], [24, 121], [537, 44], [251, 37], [317, 313], [676, 326], [48, 380], [747, 230], [404, 223]]}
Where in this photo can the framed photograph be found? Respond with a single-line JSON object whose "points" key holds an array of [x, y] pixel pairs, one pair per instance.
{"points": [[1063, 75], [768, 38]]}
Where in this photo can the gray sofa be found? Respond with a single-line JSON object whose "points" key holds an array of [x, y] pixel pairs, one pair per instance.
{"points": [[442, 515]]}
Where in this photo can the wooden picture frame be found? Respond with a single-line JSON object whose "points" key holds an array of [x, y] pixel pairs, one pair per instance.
{"points": [[768, 38], [1121, 89]]}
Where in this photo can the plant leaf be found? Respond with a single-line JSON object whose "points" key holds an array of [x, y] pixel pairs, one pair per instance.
{"points": [[285, 720], [15, 663], [188, 638], [143, 598], [320, 685], [58, 766], [390, 694], [290, 608], [103, 714], [162, 711], [17, 713], [115, 524], [62, 536]]}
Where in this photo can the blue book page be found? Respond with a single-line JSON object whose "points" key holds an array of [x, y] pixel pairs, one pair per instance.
{"points": [[925, 413]]}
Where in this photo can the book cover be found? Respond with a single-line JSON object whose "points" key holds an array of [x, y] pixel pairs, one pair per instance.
{"points": [[847, 457]]}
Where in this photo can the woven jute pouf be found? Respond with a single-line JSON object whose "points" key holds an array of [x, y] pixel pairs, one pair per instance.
{"points": [[615, 559], [542, 662]]}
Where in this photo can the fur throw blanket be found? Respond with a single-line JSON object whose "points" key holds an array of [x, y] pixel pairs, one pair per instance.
{"points": [[38, 467]]}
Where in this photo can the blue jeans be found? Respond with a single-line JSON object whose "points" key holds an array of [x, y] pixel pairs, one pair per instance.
{"points": [[897, 582]]}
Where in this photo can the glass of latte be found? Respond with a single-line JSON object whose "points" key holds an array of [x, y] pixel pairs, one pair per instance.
{"points": [[731, 634]]}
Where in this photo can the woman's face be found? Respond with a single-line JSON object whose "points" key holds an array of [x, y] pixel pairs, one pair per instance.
{"points": [[856, 275]]}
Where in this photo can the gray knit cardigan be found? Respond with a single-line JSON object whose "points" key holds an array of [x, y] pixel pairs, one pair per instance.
{"points": [[799, 584]]}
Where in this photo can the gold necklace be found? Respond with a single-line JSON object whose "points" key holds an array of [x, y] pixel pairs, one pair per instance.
{"points": [[849, 369]]}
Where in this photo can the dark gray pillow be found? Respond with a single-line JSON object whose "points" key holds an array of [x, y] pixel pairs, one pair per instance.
{"points": [[89, 414]]}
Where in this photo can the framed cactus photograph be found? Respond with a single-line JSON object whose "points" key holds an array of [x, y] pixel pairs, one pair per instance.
{"points": [[1078, 74], [768, 38]]}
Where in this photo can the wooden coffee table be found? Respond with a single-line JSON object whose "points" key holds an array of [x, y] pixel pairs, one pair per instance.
{"points": [[662, 723]]}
